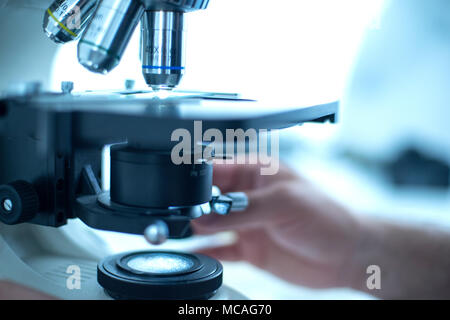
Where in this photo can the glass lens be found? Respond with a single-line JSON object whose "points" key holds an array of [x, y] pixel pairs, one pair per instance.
{"points": [[160, 263]]}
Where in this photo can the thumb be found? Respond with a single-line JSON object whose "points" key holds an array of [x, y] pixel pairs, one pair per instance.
{"points": [[226, 253]]}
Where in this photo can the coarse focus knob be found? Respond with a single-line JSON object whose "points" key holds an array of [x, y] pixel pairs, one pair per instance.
{"points": [[19, 202]]}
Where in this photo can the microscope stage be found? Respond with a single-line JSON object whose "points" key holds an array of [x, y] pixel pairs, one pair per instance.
{"points": [[108, 117]]}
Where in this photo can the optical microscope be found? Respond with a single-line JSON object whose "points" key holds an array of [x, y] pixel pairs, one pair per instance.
{"points": [[51, 154]]}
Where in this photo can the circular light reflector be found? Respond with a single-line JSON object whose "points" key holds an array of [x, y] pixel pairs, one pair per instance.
{"points": [[160, 263]]}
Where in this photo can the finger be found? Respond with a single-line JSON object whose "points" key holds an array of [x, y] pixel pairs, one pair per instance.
{"points": [[239, 177], [227, 253], [266, 206], [230, 177], [200, 228], [12, 291], [244, 249]]}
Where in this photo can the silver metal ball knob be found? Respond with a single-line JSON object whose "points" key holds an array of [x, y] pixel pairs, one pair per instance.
{"points": [[156, 233]]}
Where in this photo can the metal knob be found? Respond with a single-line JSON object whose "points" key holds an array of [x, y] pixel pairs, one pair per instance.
{"points": [[156, 233], [67, 87], [233, 201], [19, 202], [239, 199]]}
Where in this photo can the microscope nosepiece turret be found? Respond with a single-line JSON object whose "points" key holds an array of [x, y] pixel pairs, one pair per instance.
{"points": [[107, 26], [65, 20]]}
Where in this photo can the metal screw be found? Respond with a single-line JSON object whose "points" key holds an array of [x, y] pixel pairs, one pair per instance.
{"points": [[7, 205], [67, 87], [222, 204], [240, 201], [233, 201], [129, 84], [222, 208]]}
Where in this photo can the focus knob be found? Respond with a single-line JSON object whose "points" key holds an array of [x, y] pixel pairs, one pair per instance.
{"points": [[19, 202]]}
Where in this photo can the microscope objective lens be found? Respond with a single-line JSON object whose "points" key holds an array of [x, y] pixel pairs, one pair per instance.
{"points": [[163, 49], [106, 38], [64, 21]]}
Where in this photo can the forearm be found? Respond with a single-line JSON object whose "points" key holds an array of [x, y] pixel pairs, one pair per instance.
{"points": [[12, 291], [414, 262]]}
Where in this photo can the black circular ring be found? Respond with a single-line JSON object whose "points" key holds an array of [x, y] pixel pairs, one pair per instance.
{"points": [[200, 281]]}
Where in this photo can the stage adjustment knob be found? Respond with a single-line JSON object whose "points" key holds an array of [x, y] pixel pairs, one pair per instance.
{"points": [[19, 202]]}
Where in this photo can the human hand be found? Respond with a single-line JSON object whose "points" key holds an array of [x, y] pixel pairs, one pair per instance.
{"points": [[12, 291], [290, 228]]}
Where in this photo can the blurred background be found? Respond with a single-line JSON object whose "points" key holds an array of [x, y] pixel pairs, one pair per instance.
{"points": [[387, 61]]}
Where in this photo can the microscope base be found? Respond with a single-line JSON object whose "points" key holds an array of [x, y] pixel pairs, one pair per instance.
{"points": [[52, 260]]}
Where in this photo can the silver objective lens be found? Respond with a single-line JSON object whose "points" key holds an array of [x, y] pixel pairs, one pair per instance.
{"points": [[65, 20], [107, 36], [163, 48]]}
